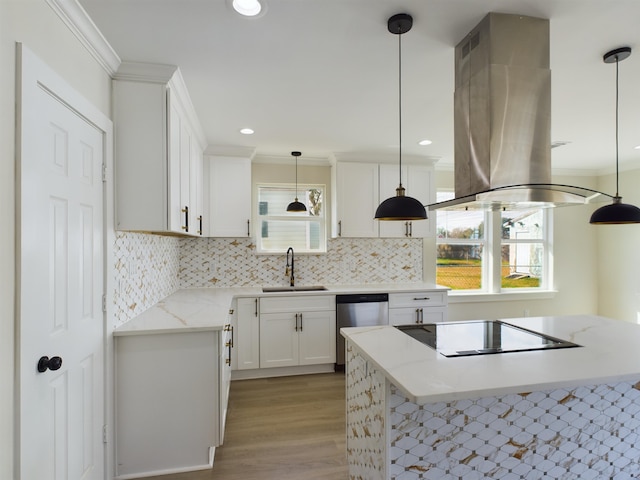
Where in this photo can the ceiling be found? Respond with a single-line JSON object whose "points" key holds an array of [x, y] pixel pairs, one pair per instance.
{"points": [[321, 76]]}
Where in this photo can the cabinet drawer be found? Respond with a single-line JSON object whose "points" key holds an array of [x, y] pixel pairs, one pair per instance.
{"points": [[407, 315], [297, 303], [417, 299]]}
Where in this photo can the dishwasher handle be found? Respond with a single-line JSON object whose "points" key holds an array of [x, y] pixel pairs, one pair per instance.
{"points": [[362, 298]]}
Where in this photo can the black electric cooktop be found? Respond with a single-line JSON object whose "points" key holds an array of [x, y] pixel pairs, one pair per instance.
{"points": [[481, 337]]}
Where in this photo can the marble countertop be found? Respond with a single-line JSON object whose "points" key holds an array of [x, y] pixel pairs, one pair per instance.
{"points": [[610, 353], [200, 309]]}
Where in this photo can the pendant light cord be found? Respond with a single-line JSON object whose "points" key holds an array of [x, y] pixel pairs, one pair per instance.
{"points": [[400, 104], [617, 107]]}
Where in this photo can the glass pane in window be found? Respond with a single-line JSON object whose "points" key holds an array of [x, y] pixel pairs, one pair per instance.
{"points": [[458, 223], [522, 265], [273, 201], [459, 266], [523, 225], [301, 235]]}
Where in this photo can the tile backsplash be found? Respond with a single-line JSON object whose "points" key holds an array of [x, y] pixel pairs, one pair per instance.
{"points": [[146, 271], [149, 267], [232, 262]]}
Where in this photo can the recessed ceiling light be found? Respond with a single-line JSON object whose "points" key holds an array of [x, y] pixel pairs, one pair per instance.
{"points": [[246, 131], [637, 147], [248, 8], [424, 142]]}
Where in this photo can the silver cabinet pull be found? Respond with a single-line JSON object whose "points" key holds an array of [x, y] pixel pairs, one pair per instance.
{"points": [[421, 298]]}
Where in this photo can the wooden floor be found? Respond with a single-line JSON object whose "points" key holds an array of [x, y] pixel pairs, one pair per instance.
{"points": [[287, 428]]}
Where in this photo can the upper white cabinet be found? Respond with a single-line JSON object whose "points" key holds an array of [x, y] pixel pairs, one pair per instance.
{"points": [[355, 199], [358, 189], [419, 183], [228, 197], [158, 151]]}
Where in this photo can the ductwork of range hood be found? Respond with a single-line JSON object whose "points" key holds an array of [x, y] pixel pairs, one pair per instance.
{"points": [[502, 119]]}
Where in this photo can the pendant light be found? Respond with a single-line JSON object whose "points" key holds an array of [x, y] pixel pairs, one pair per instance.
{"points": [[296, 206], [400, 207], [617, 212]]}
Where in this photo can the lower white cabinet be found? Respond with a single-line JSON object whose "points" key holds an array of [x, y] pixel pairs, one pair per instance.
{"points": [[297, 330], [171, 400], [246, 346], [417, 307]]}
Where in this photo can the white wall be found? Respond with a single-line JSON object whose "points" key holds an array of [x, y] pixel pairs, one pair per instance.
{"points": [[35, 24], [618, 259]]}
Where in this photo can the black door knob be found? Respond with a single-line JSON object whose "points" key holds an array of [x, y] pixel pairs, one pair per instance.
{"points": [[53, 363]]}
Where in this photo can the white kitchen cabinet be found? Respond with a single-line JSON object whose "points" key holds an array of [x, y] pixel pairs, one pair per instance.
{"points": [[297, 330], [417, 307], [171, 400], [358, 189], [418, 182], [158, 150], [246, 344], [355, 199], [228, 196]]}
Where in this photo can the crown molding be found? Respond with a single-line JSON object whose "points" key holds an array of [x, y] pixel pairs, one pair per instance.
{"points": [[230, 151], [78, 21], [146, 72]]}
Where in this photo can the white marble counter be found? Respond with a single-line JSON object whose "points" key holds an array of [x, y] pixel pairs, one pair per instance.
{"points": [[610, 353], [207, 308], [188, 310]]}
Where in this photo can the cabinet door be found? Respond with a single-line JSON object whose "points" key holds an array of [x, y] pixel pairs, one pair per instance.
{"points": [[196, 193], [278, 340], [420, 185], [229, 196], [247, 334], [317, 342], [356, 194]]}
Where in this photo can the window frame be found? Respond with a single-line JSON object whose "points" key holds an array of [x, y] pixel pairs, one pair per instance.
{"points": [[322, 219], [492, 256]]}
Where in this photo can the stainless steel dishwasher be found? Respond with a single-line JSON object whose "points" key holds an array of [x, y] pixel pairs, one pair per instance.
{"points": [[358, 310]]}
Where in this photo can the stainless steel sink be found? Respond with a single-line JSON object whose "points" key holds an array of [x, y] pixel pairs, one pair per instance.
{"points": [[302, 288]]}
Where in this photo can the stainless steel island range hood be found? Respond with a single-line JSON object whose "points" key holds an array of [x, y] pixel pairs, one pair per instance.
{"points": [[502, 119]]}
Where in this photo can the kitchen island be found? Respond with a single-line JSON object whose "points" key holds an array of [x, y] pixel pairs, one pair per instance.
{"points": [[571, 413]]}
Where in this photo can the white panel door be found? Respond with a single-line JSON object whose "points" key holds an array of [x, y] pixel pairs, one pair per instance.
{"points": [[278, 340], [317, 338], [60, 283]]}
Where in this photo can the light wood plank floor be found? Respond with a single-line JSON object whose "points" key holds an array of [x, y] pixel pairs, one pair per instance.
{"points": [[287, 428]]}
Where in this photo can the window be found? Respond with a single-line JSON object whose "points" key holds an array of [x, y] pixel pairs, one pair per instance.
{"points": [[493, 251], [279, 229]]}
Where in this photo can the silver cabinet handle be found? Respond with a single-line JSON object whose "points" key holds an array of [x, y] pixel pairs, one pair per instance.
{"points": [[421, 298]]}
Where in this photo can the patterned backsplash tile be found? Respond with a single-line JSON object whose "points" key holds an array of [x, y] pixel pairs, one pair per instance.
{"points": [[232, 262], [146, 271], [149, 267]]}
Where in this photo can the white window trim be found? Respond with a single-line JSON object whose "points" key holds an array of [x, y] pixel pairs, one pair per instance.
{"points": [[492, 270], [257, 224]]}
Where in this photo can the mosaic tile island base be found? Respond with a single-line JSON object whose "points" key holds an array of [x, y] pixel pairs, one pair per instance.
{"points": [[566, 414]]}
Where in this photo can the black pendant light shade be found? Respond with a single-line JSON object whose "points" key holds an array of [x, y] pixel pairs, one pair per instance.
{"points": [[617, 212], [400, 207], [296, 206]]}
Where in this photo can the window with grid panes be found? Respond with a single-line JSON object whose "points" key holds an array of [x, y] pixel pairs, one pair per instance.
{"points": [[278, 229], [490, 252]]}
